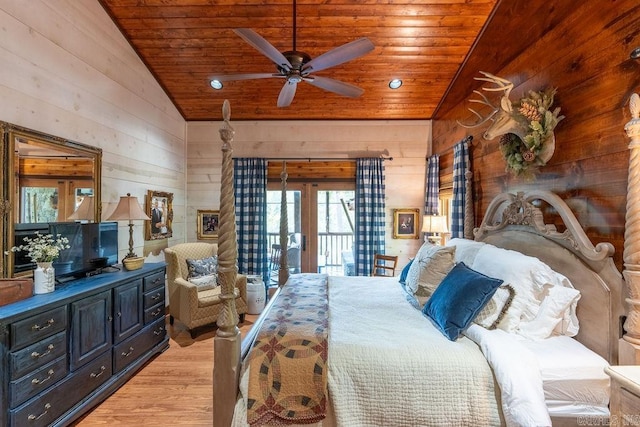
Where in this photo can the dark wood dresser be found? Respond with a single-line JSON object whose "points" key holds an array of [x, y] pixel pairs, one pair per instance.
{"points": [[64, 352]]}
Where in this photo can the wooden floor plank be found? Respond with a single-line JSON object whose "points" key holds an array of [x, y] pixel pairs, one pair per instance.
{"points": [[175, 388]]}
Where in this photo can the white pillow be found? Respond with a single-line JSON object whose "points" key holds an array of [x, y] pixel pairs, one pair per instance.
{"points": [[551, 313], [204, 283], [496, 308], [466, 250], [527, 275]]}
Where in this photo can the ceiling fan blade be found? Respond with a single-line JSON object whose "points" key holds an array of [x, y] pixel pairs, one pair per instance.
{"points": [[232, 77], [263, 46], [287, 93], [335, 86], [339, 55]]}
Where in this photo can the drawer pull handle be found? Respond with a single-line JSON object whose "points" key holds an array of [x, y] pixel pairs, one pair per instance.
{"points": [[156, 280], [36, 381], [37, 355], [155, 313], [49, 324], [102, 369], [159, 331], [156, 297], [127, 354], [37, 417]]}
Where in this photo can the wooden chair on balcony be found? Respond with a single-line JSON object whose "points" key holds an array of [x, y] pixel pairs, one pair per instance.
{"points": [[384, 265]]}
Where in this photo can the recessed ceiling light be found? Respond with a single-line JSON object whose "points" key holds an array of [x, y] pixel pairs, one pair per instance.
{"points": [[395, 83], [216, 84], [635, 53]]}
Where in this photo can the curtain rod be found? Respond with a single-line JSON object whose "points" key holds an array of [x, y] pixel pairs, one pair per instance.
{"points": [[468, 138], [310, 159]]}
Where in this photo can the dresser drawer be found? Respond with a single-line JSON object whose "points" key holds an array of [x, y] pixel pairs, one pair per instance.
{"points": [[46, 407], [36, 355], [28, 331], [153, 281], [129, 350], [154, 313], [154, 297], [28, 386]]}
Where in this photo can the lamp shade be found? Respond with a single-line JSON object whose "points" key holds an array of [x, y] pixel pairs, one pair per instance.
{"points": [[434, 224], [86, 210], [128, 209]]}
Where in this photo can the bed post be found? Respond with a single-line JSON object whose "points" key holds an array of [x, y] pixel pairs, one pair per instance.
{"points": [[226, 368], [283, 272], [629, 345]]}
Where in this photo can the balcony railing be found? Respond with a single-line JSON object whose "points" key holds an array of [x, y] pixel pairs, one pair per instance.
{"points": [[330, 250]]}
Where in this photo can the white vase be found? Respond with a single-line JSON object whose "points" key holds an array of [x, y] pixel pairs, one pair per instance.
{"points": [[44, 278]]}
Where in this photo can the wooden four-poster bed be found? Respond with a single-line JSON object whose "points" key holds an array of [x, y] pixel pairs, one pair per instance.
{"points": [[400, 384]]}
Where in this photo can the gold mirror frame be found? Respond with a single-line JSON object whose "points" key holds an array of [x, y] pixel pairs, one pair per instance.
{"points": [[9, 190]]}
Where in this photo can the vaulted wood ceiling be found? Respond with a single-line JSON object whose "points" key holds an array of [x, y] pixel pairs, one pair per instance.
{"points": [[184, 42]]}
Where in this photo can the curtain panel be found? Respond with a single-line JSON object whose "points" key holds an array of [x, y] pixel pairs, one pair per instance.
{"points": [[250, 185], [370, 213], [460, 167]]}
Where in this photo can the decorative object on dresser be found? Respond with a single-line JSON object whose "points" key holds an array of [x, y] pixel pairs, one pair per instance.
{"points": [[160, 210], [57, 367], [43, 249], [432, 225], [129, 209], [405, 223], [12, 290], [525, 127], [208, 224]]}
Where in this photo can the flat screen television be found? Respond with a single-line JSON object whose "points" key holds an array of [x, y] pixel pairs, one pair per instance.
{"points": [[93, 246]]}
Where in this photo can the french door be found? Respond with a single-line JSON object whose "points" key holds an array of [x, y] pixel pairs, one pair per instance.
{"points": [[320, 222]]}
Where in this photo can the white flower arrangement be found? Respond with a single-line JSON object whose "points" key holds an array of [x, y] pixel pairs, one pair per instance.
{"points": [[43, 247]]}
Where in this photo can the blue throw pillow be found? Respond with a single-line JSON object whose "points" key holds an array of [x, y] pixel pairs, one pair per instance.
{"points": [[405, 271], [459, 298]]}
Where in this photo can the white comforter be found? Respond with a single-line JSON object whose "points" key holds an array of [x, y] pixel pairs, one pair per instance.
{"points": [[388, 365]]}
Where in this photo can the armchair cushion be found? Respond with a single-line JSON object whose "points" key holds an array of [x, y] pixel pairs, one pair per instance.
{"points": [[205, 283]]}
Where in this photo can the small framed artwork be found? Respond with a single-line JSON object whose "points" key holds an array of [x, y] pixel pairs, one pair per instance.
{"points": [[406, 223], [208, 224], [160, 210]]}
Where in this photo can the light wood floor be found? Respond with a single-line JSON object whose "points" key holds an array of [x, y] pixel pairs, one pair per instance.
{"points": [[173, 389]]}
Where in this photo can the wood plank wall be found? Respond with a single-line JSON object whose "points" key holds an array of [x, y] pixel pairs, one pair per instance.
{"points": [[66, 70], [407, 141], [582, 49]]}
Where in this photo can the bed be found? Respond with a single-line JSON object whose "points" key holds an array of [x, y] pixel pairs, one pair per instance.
{"points": [[401, 382]]}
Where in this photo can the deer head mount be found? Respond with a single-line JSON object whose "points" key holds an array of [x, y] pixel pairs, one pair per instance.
{"points": [[525, 127], [502, 116]]}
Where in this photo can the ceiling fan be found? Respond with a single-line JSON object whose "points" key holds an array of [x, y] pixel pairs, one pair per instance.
{"points": [[295, 66]]}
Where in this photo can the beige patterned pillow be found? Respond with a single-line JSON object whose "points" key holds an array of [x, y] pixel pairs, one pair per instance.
{"points": [[494, 311], [430, 266]]}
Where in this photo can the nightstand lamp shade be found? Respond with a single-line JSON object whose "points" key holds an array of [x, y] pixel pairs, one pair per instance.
{"points": [[86, 210], [128, 209], [434, 224]]}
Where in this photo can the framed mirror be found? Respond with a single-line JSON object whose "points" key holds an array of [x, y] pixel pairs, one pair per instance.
{"points": [[44, 179]]}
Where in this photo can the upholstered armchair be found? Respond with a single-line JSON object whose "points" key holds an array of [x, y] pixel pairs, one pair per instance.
{"points": [[191, 305]]}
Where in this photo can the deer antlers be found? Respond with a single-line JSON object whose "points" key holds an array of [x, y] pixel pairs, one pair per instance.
{"points": [[502, 116]]}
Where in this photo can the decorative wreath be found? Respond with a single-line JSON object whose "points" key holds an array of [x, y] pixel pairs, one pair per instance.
{"points": [[524, 155]]}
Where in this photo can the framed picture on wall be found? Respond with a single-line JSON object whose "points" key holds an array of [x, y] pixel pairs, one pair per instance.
{"points": [[160, 209], [208, 224], [406, 223]]}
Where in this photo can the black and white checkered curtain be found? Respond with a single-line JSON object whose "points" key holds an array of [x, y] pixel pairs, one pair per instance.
{"points": [[460, 166], [250, 184], [370, 213], [432, 195]]}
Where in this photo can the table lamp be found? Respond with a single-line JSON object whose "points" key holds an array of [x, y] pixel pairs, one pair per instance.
{"points": [[86, 210], [129, 209], [434, 224]]}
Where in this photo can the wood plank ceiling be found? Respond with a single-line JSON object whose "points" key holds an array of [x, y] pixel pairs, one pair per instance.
{"points": [[184, 42]]}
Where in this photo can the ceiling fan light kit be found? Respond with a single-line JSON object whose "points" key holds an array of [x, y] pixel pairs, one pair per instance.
{"points": [[295, 66]]}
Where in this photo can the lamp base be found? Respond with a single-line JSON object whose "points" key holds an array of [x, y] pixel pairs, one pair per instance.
{"points": [[133, 263]]}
